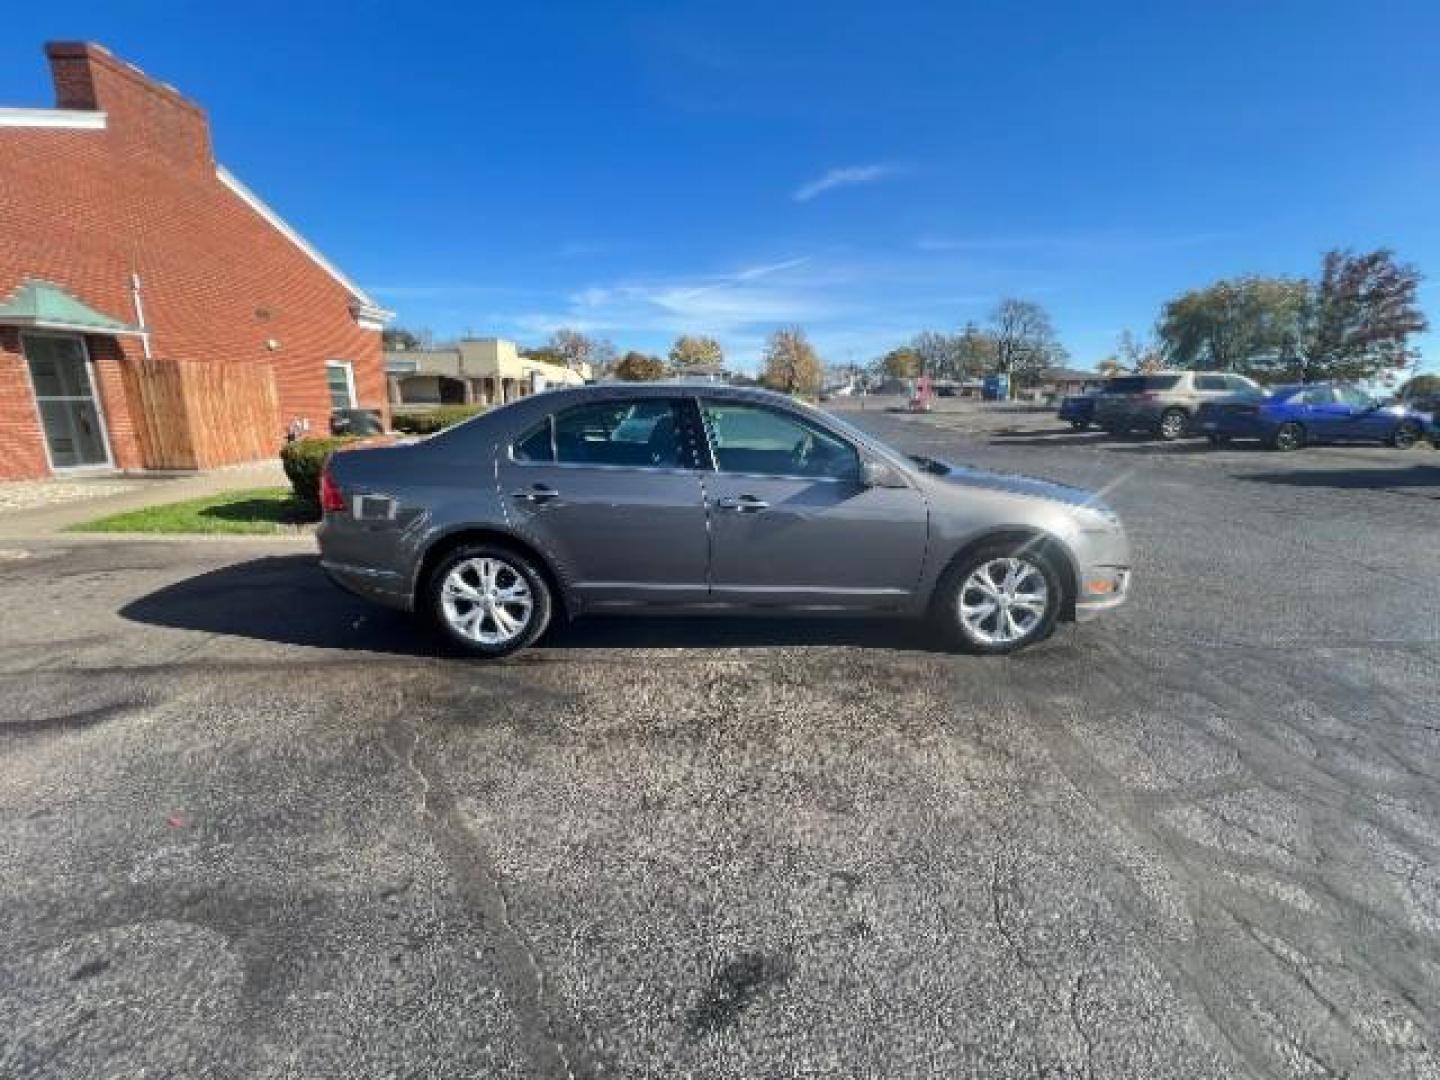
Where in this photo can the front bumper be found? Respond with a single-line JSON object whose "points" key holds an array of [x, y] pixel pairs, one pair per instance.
{"points": [[1101, 589]]}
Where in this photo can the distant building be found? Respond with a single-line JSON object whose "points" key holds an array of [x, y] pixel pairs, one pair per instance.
{"points": [[715, 373], [473, 371], [154, 312], [1069, 381]]}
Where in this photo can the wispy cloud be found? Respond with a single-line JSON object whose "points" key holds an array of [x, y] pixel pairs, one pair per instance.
{"points": [[1099, 242], [847, 176]]}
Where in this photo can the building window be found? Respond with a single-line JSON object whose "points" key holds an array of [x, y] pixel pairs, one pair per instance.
{"points": [[340, 378]]}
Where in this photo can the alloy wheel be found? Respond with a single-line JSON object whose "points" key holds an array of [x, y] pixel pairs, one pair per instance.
{"points": [[1289, 437], [1172, 426], [486, 600], [1003, 600]]}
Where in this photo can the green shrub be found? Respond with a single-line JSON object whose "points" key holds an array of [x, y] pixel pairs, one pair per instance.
{"points": [[433, 420], [304, 459]]}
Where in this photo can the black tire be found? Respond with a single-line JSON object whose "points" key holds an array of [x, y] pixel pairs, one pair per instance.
{"points": [[542, 603], [1288, 436], [1079, 425], [1173, 424], [945, 604], [1406, 436]]}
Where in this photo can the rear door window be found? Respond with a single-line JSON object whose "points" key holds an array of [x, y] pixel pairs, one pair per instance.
{"points": [[1212, 383], [637, 434]]}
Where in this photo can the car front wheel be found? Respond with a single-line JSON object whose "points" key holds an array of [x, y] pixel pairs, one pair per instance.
{"points": [[489, 600], [1406, 436], [1001, 598]]}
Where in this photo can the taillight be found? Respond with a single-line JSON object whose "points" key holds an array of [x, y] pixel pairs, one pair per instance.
{"points": [[330, 498]]}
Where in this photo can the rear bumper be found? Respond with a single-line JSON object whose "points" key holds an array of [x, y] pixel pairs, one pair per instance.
{"points": [[1231, 427], [378, 586]]}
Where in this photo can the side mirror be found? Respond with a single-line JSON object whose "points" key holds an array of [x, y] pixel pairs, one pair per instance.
{"points": [[878, 474]]}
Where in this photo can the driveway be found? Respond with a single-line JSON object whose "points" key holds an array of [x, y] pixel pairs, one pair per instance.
{"points": [[252, 827]]}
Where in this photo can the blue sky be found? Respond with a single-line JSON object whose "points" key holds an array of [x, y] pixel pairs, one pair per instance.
{"points": [[639, 170]]}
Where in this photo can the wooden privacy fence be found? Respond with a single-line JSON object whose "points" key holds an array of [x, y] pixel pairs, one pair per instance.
{"points": [[190, 415]]}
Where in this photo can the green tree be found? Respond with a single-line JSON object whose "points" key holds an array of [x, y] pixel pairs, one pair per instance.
{"points": [[901, 363], [639, 367], [1365, 309], [1255, 325], [975, 352], [1421, 386], [1025, 342], [695, 351], [791, 364]]}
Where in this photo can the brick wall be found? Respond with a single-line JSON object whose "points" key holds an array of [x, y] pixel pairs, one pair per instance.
{"points": [[84, 209]]}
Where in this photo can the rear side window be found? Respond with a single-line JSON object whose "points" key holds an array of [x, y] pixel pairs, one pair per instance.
{"points": [[1139, 384], [640, 434], [1316, 395], [1211, 382], [1244, 387]]}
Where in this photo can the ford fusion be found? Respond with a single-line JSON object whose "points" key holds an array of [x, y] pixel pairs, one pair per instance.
{"points": [[707, 499]]}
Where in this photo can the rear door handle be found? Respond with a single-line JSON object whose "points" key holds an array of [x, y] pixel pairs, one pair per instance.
{"points": [[540, 493], [743, 503]]}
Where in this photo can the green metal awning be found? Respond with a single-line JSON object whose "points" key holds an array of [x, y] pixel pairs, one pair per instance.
{"points": [[39, 305]]}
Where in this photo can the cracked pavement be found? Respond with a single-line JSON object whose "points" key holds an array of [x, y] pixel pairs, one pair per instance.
{"points": [[251, 827]]}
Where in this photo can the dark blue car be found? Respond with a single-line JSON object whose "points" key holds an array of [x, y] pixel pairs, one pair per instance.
{"points": [[1079, 410], [1294, 416]]}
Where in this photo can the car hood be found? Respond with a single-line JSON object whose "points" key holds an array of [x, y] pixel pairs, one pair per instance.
{"points": [[968, 476]]}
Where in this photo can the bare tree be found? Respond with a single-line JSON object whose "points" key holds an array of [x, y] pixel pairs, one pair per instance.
{"points": [[1025, 342]]}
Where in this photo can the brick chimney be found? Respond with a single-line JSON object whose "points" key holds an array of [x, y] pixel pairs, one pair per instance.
{"points": [[148, 117]]}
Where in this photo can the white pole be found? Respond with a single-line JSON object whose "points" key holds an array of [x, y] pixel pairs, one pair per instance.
{"points": [[140, 314]]}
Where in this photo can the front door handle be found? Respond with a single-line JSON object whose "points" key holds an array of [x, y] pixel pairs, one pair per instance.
{"points": [[744, 504], [539, 493]]}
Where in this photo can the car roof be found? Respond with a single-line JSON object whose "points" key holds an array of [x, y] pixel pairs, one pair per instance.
{"points": [[661, 388]]}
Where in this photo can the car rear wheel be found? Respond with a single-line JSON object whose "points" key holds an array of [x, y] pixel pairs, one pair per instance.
{"points": [[1406, 436], [1173, 423], [489, 600], [1288, 436], [998, 599]]}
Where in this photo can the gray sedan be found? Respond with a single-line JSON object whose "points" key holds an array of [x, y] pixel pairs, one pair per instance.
{"points": [[706, 499]]}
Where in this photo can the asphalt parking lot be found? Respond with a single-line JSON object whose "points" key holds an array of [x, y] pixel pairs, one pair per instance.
{"points": [[251, 827]]}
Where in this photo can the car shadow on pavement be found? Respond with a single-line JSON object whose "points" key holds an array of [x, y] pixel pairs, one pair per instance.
{"points": [[1406, 476], [286, 599]]}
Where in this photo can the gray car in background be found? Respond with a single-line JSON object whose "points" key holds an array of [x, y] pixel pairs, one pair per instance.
{"points": [[1165, 403], [706, 499]]}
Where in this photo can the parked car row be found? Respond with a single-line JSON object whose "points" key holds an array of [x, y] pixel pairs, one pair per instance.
{"points": [[1221, 406]]}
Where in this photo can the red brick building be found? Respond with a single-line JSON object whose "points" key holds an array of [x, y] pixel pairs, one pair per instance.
{"points": [[121, 239]]}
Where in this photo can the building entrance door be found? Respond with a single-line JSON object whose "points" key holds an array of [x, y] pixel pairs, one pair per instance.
{"points": [[65, 396]]}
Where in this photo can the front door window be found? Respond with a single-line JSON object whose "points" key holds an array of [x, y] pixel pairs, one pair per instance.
{"points": [[65, 397]]}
